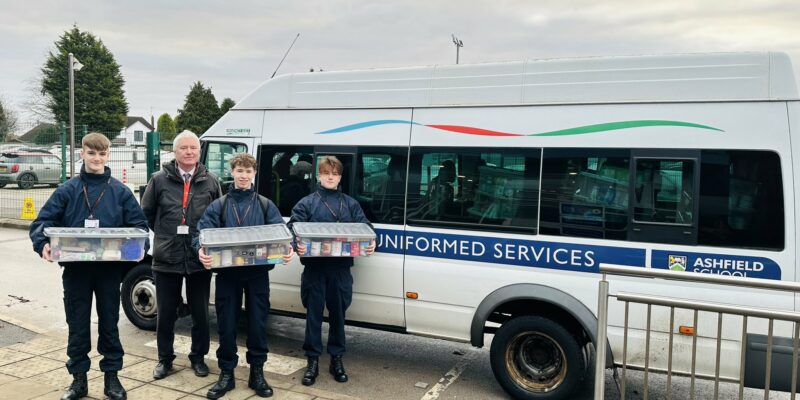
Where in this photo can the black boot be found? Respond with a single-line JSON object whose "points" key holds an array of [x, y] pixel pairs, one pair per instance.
{"points": [[225, 384], [113, 388], [79, 388], [312, 370], [257, 381], [337, 369]]}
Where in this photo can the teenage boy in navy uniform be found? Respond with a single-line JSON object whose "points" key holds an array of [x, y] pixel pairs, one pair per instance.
{"points": [[326, 280], [242, 206], [92, 199]]}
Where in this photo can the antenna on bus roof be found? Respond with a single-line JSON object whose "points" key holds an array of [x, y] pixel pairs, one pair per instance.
{"points": [[284, 56]]}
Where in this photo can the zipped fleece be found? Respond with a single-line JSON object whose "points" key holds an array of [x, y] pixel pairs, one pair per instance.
{"points": [[163, 203]]}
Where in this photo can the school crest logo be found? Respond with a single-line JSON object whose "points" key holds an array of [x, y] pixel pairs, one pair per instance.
{"points": [[677, 263]]}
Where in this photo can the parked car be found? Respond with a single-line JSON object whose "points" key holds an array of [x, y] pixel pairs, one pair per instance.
{"points": [[27, 168]]}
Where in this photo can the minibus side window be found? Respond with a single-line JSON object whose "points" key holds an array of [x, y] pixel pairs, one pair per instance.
{"points": [[664, 191], [218, 156], [381, 183], [286, 175], [741, 199], [493, 189], [585, 193]]}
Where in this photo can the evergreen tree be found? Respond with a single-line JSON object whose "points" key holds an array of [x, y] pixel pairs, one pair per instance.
{"points": [[226, 105], [166, 126], [200, 110], [99, 98]]}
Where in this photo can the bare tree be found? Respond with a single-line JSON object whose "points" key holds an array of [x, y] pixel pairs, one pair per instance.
{"points": [[8, 120], [38, 102]]}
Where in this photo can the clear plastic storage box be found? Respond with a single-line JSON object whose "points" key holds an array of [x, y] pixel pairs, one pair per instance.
{"points": [[248, 245], [333, 239], [96, 244]]}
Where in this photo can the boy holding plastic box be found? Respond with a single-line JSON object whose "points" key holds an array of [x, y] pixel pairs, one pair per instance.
{"points": [[92, 199], [242, 206], [327, 280]]}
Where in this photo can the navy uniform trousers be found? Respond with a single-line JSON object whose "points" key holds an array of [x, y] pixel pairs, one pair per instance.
{"points": [[81, 281], [228, 302], [321, 286]]}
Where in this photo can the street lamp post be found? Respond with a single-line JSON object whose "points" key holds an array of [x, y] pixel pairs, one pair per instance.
{"points": [[459, 44], [74, 65]]}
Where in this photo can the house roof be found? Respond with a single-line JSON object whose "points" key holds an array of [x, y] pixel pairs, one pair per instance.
{"points": [[133, 120], [30, 135]]}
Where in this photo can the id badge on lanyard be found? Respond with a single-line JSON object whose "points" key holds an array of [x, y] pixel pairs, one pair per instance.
{"points": [[91, 223], [183, 229]]}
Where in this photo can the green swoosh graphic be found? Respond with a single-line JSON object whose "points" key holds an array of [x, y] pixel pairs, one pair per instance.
{"points": [[612, 126]]}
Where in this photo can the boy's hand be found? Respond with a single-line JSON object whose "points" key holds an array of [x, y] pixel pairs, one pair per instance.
{"points": [[371, 248], [46, 253], [288, 257], [204, 259], [301, 248]]}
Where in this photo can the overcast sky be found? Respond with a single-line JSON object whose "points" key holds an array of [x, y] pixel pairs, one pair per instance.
{"points": [[234, 45]]}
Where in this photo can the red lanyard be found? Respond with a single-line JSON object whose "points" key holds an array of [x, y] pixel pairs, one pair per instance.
{"points": [[186, 186]]}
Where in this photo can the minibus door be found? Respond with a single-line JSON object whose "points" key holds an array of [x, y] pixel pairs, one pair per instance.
{"points": [[664, 200]]}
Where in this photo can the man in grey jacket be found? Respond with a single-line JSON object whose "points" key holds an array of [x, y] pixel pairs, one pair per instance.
{"points": [[174, 201]]}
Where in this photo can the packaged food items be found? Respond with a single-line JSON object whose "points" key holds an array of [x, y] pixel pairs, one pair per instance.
{"points": [[247, 245], [333, 239], [96, 244]]}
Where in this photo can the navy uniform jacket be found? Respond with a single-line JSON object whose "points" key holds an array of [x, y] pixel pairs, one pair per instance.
{"points": [[67, 207], [241, 199], [312, 209]]}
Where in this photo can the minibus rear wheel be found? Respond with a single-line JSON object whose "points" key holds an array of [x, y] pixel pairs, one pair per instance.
{"points": [[536, 358]]}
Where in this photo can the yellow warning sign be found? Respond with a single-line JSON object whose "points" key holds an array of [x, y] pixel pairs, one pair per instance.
{"points": [[28, 209]]}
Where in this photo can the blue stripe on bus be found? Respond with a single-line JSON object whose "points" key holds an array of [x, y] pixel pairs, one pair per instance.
{"points": [[525, 253], [721, 264]]}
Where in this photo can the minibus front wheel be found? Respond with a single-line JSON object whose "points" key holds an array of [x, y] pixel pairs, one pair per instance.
{"points": [[536, 358]]}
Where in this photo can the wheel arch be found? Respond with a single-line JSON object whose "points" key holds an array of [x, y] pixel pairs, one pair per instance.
{"points": [[534, 299]]}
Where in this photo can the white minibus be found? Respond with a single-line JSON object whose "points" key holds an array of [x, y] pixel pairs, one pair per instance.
{"points": [[498, 189]]}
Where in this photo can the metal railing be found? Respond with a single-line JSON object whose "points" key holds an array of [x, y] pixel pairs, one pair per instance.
{"points": [[697, 306]]}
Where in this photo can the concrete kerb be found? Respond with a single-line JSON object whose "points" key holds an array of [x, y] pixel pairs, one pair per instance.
{"points": [[15, 223]]}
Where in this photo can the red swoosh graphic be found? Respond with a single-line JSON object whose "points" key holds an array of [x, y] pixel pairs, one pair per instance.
{"points": [[472, 131]]}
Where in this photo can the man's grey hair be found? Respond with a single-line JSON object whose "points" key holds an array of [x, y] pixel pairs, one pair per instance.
{"points": [[183, 135]]}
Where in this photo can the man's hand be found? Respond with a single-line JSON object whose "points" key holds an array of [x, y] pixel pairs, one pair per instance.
{"points": [[46, 253], [204, 259]]}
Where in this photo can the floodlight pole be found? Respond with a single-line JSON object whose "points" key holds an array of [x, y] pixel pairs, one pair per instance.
{"points": [[71, 62], [459, 44]]}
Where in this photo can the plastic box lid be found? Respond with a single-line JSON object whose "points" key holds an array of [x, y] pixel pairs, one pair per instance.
{"points": [[332, 230], [218, 237], [101, 233]]}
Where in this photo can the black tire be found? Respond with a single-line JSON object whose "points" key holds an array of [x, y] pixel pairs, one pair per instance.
{"points": [[26, 181], [138, 297], [536, 358]]}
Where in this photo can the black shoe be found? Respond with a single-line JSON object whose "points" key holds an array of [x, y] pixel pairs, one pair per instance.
{"points": [[79, 388], [225, 384], [113, 388], [312, 370], [337, 369], [200, 369], [257, 381], [162, 369]]}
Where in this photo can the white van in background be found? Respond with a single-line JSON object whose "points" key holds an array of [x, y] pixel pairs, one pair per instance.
{"points": [[549, 168]]}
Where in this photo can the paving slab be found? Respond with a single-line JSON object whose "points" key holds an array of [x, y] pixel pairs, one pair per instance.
{"points": [[152, 392], [30, 367], [25, 389], [40, 345], [8, 356], [60, 378]]}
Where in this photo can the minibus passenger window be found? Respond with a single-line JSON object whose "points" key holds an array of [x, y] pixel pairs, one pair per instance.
{"points": [[474, 189], [285, 175], [664, 191], [381, 183], [217, 157], [585, 193], [741, 199]]}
